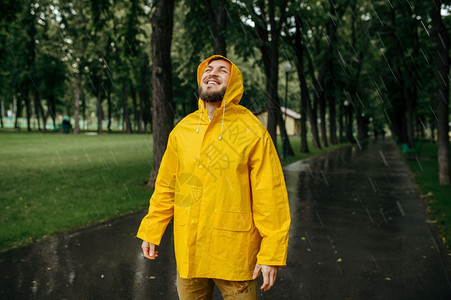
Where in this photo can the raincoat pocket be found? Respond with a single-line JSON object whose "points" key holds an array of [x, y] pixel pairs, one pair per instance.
{"points": [[233, 240], [179, 215], [232, 221]]}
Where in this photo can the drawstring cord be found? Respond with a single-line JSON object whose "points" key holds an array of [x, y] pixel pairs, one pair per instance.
{"points": [[200, 117], [222, 124]]}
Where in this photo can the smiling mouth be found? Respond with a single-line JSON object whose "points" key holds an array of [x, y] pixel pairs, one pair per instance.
{"points": [[211, 82]]}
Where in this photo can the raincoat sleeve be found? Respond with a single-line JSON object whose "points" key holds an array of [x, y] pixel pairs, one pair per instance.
{"points": [[270, 206], [161, 208]]}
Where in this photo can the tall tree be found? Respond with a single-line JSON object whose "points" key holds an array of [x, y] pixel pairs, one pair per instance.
{"points": [[442, 71], [10, 12], [305, 97], [335, 12], [26, 83], [206, 19], [100, 16], [144, 92], [74, 17], [269, 18], [313, 117], [394, 30], [216, 11], [353, 65], [133, 30], [162, 105]]}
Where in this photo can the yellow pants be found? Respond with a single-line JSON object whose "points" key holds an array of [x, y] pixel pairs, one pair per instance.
{"points": [[202, 288]]}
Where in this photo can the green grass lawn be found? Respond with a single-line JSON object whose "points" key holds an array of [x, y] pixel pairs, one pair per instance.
{"points": [[438, 197], [54, 182]]}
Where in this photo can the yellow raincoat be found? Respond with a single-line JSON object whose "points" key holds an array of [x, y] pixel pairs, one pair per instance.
{"points": [[223, 184]]}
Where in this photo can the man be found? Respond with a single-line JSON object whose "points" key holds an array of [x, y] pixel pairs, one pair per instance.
{"points": [[221, 180]]}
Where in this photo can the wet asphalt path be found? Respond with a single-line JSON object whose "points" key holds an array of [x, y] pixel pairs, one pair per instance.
{"points": [[358, 231]]}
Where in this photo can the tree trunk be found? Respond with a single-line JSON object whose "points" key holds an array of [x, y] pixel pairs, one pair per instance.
{"points": [[322, 125], [271, 124], [442, 71], [162, 104], [99, 110], [349, 126], [83, 108], [1, 114], [413, 88], [125, 111], [360, 124], [348, 104], [332, 108], [52, 110], [145, 110], [340, 123], [411, 107], [140, 114], [218, 24], [28, 109], [34, 114], [329, 81], [37, 108], [270, 56], [421, 126], [2, 111], [319, 100], [320, 94], [44, 117], [432, 125], [313, 116], [349, 111], [305, 104], [77, 103], [18, 112], [332, 121], [326, 74], [135, 109], [305, 98], [110, 112], [272, 99]]}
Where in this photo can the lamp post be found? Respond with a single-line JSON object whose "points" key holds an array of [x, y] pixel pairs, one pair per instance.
{"points": [[287, 69]]}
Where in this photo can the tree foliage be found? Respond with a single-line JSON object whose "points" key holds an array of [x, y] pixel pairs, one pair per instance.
{"points": [[361, 66]]}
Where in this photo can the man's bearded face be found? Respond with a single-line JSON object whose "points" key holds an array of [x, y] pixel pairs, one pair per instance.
{"points": [[213, 84]]}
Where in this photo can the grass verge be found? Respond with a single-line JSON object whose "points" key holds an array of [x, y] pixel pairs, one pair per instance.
{"points": [[437, 197], [54, 182]]}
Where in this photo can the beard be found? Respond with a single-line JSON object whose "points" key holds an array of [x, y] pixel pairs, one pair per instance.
{"points": [[211, 96]]}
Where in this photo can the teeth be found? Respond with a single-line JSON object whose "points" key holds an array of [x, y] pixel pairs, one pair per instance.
{"points": [[211, 82]]}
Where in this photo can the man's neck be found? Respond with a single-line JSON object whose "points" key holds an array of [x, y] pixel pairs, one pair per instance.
{"points": [[211, 108]]}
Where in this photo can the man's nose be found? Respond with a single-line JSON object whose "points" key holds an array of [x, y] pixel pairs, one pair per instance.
{"points": [[213, 75], [214, 72]]}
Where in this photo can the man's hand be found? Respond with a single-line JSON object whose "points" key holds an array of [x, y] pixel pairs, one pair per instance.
{"points": [[269, 274], [149, 250]]}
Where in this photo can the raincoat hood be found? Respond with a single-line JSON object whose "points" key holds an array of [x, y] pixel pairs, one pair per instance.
{"points": [[234, 90]]}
